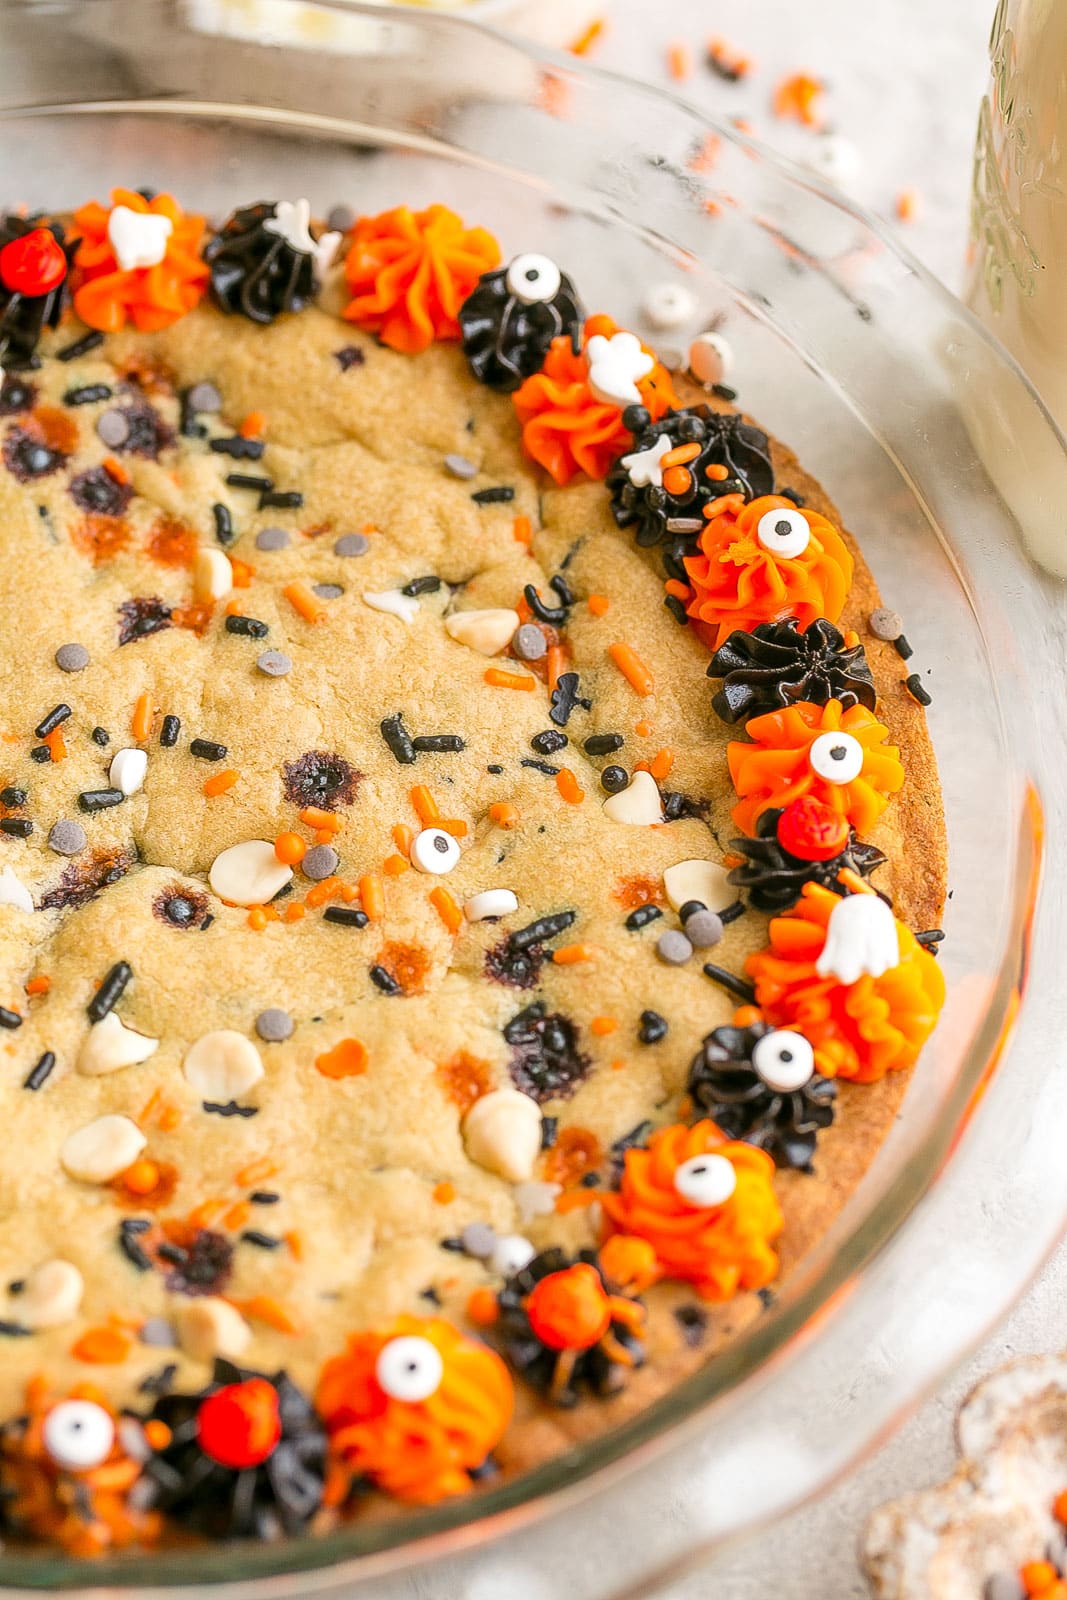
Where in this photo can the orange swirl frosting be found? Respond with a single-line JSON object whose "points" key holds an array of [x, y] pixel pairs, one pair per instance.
{"points": [[776, 768], [859, 1030], [719, 1249], [734, 582], [410, 271], [565, 428], [85, 1512], [420, 1451], [106, 297]]}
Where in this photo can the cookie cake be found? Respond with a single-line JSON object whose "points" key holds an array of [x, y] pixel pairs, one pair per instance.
{"points": [[470, 864]]}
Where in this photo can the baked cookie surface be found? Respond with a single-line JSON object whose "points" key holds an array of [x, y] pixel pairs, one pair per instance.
{"points": [[316, 868]]}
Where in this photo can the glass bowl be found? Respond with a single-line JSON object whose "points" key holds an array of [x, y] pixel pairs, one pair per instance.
{"points": [[847, 350]]}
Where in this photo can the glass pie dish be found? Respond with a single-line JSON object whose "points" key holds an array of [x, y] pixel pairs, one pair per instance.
{"points": [[871, 372]]}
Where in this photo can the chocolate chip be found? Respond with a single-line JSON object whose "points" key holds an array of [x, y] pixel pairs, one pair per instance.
{"points": [[460, 467], [274, 663], [67, 838], [673, 947], [274, 1025], [529, 643], [321, 861], [703, 929], [352, 544], [340, 219], [204, 397], [272, 539], [112, 428], [327, 591], [886, 624], [72, 658]]}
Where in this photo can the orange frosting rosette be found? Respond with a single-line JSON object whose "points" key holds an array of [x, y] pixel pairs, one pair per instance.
{"points": [[565, 428], [860, 1030], [84, 1511], [735, 582], [720, 1249], [777, 766], [410, 271], [422, 1450], [106, 297]]}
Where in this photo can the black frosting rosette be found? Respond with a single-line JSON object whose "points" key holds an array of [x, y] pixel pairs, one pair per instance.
{"points": [[543, 1358], [674, 520], [776, 664], [511, 317], [25, 315], [246, 1457], [771, 879], [742, 1078], [264, 260]]}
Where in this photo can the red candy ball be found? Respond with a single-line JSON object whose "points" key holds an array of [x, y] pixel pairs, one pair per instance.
{"points": [[812, 831], [240, 1425], [33, 264]]}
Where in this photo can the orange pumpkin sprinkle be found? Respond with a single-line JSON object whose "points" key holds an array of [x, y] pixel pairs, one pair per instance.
{"points": [[775, 766], [632, 668], [420, 1451], [39, 985], [393, 866], [290, 848], [104, 1347], [522, 529], [444, 1193], [482, 1307], [57, 745], [503, 814], [106, 297], [569, 787], [143, 713], [410, 271], [734, 582], [602, 1026], [860, 1030], [295, 912], [598, 604], [347, 1059], [252, 425], [719, 1249], [565, 428]]}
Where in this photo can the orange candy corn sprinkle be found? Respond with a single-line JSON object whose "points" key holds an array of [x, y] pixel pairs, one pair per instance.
{"points": [[860, 1030], [736, 581], [106, 297], [719, 1248], [565, 428], [420, 1450], [791, 749], [410, 271]]}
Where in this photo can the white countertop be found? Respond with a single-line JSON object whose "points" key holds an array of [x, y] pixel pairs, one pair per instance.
{"points": [[904, 79]]}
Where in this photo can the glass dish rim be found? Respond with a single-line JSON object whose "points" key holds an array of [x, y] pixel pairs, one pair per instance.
{"points": [[421, 1535]]}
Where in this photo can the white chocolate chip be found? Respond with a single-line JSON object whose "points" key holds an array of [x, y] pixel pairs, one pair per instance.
{"points": [[488, 632], [138, 238], [434, 850], [127, 770], [705, 881], [249, 874], [711, 359], [490, 903], [110, 1045], [13, 892], [212, 575], [638, 804], [211, 1327], [222, 1066], [395, 603], [51, 1297], [102, 1149], [670, 305], [502, 1132]]}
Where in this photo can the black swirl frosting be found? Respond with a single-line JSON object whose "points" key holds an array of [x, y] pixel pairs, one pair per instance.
{"points": [[776, 664], [674, 521], [771, 878], [725, 1085], [24, 317], [277, 1496], [256, 269], [506, 335]]}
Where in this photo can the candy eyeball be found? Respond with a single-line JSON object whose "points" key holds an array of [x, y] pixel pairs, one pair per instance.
{"points": [[784, 533], [705, 1180], [409, 1368], [78, 1435], [836, 757], [533, 279], [434, 851], [784, 1060]]}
